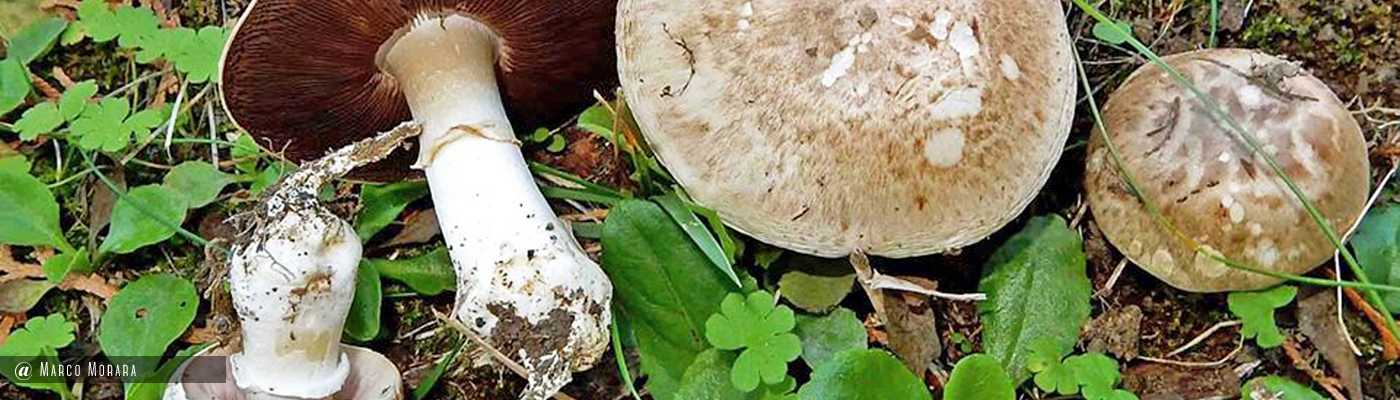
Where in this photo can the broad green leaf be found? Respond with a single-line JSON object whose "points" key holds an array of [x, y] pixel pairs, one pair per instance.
{"points": [[40, 119], [14, 84], [762, 330], [1037, 288], [19, 295], [1377, 245], [823, 337], [979, 377], [864, 375], [599, 121], [76, 99], [28, 212], [671, 289], [198, 181], [1277, 388], [98, 19], [1256, 312], [145, 317], [154, 388], [132, 228], [13, 162], [383, 204], [35, 40], [431, 379], [1106, 32], [58, 266], [428, 274], [708, 378], [363, 322], [701, 236], [816, 284]]}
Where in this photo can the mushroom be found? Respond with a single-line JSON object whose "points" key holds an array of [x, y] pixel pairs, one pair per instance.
{"points": [[1208, 183], [897, 128], [292, 279], [303, 76]]}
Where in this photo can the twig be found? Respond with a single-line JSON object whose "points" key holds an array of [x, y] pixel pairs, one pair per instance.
{"points": [[864, 273], [1391, 345], [1238, 346], [1202, 337], [886, 282], [1322, 379], [509, 363], [1112, 279], [1336, 255]]}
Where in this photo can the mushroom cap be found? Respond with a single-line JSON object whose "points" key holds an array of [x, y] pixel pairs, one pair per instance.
{"points": [[897, 128], [208, 376], [301, 75], [1208, 183]]}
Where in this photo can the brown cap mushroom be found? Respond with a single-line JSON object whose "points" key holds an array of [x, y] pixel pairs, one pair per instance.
{"points": [[1208, 183], [826, 127], [307, 76]]}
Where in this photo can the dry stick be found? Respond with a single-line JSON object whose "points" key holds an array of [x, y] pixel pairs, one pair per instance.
{"points": [[1336, 254], [1202, 337], [1391, 345], [509, 363], [1113, 278], [1238, 347], [1322, 379]]}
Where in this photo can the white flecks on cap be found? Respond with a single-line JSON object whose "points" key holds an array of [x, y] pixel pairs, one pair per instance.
{"points": [[1266, 253], [902, 21], [1237, 213], [958, 103], [747, 10], [939, 27], [840, 63], [1009, 68], [963, 40], [1250, 96], [944, 148]]}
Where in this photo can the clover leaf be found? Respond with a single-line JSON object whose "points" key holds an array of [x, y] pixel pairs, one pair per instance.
{"points": [[763, 330], [51, 331], [1094, 372], [108, 126], [76, 99], [40, 119], [1051, 375], [197, 53], [99, 20], [1256, 311], [136, 24]]}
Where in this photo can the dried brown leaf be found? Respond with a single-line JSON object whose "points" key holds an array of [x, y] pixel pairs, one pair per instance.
{"points": [[418, 227], [1317, 319]]}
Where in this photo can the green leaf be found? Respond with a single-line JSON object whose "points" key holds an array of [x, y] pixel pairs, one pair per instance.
{"points": [[28, 212], [245, 153], [383, 204], [708, 378], [671, 289], [36, 39], [816, 284], [38, 120], [864, 375], [76, 99], [1277, 388], [132, 228], [1106, 32], [161, 43], [1036, 288], [199, 58], [268, 176], [145, 317], [198, 182], [154, 388], [13, 162], [826, 336], [99, 20], [14, 84], [599, 121], [431, 379], [428, 274], [762, 330], [556, 144], [19, 295], [58, 266], [39, 338], [1377, 245], [979, 377], [692, 226], [137, 24], [1051, 375], [1095, 372], [363, 322], [1256, 312]]}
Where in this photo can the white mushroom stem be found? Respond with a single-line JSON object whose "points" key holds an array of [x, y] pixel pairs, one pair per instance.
{"points": [[293, 280], [517, 265]]}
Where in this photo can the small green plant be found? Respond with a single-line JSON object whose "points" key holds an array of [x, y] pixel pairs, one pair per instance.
{"points": [[1094, 374], [37, 342], [979, 377], [762, 331], [553, 142], [1256, 311]]}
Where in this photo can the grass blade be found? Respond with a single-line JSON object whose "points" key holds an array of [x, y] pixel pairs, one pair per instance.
{"points": [[697, 232]]}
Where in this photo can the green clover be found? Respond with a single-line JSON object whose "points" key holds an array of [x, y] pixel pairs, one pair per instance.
{"points": [[98, 19], [52, 331], [48, 116], [1051, 375], [763, 330], [108, 125], [197, 53], [1256, 311], [136, 25]]}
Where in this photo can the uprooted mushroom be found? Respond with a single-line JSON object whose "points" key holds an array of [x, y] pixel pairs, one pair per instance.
{"points": [[292, 277], [304, 76], [1210, 185]]}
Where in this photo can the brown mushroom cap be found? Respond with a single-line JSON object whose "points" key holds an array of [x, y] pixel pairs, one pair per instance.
{"points": [[1208, 183], [301, 75], [897, 128]]}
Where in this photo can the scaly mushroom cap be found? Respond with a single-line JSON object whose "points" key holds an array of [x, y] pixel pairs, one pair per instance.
{"points": [[301, 76], [897, 128], [1208, 183]]}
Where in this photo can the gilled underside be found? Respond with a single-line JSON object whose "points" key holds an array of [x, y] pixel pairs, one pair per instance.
{"points": [[306, 79]]}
